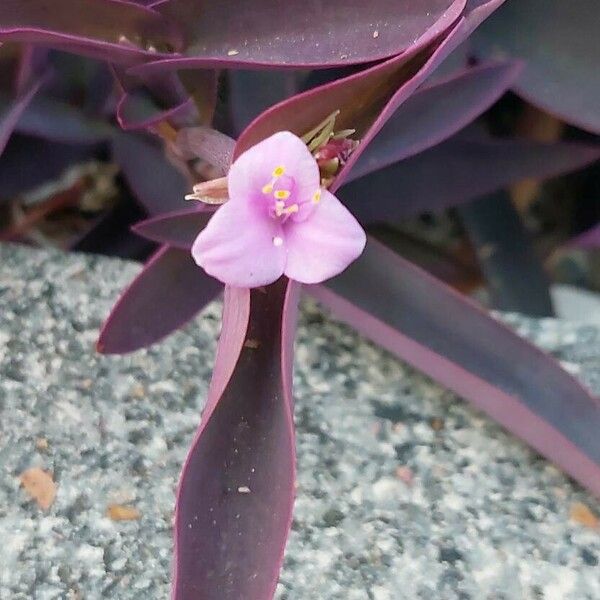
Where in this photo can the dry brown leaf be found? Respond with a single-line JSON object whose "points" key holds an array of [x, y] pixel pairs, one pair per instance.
{"points": [[120, 512], [40, 486], [580, 513]]}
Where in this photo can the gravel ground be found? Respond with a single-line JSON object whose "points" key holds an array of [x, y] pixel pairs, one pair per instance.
{"points": [[482, 518]]}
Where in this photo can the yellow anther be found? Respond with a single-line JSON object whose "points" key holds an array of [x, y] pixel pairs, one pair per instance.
{"points": [[316, 197], [279, 171], [267, 189], [290, 210], [282, 194]]}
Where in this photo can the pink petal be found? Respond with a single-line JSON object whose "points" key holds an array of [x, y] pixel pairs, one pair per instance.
{"points": [[324, 244], [254, 168], [237, 247]]}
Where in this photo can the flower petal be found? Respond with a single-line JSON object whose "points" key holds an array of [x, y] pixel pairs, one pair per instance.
{"points": [[324, 244], [237, 247], [254, 168]]}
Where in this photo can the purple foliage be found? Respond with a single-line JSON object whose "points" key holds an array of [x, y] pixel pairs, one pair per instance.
{"points": [[410, 150], [560, 51]]}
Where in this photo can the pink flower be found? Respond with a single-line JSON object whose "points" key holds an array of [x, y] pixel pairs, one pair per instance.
{"points": [[278, 221]]}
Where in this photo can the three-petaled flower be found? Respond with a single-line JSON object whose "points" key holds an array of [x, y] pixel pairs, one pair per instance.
{"points": [[278, 221]]}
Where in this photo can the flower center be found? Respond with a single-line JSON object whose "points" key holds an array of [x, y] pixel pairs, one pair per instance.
{"points": [[281, 194]]}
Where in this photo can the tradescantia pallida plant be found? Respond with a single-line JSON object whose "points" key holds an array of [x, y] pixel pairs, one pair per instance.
{"points": [[382, 137]]}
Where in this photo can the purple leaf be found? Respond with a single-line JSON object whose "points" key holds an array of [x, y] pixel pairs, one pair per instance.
{"points": [[57, 121], [168, 292], [383, 89], [236, 493], [589, 239], [435, 112], [32, 63], [293, 34], [29, 162], [455, 342], [561, 51], [253, 92], [183, 99], [208, 144], [514, 274], [136, 110], [109, 234], [106, 29], [456, 171], [158, 186], [202, 87], [12, 111], [178, 229]]}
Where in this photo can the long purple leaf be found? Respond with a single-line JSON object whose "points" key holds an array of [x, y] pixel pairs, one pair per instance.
{"points": [[109, 234], [458, 170], [29, 162], [168, 292], [513, 271], [382, 88], [253, 92], [12, 111], [183, 99], [561, 51], [319, 34], [158, 186], [435, 112], [236, 493], [57, 121], [178, 229], [450, 338], [107, 29], [208, 144], [136, 110]]}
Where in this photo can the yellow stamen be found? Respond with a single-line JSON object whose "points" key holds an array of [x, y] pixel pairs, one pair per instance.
{"points": [[316, 197], [282, 194], [267, 189], [279, 171]]}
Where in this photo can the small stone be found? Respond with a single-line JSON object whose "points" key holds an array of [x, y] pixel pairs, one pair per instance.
{"points": [[588, 557], [138, 391], [41, 444], [333, 517], [120, 512], [376, 34], [437, 424], [405, 474], [449, 554], [243, 489], [40, 486], [233, 52]]}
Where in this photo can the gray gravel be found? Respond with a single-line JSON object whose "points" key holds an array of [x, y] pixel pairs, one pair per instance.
{"points": [[483, 518]]}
